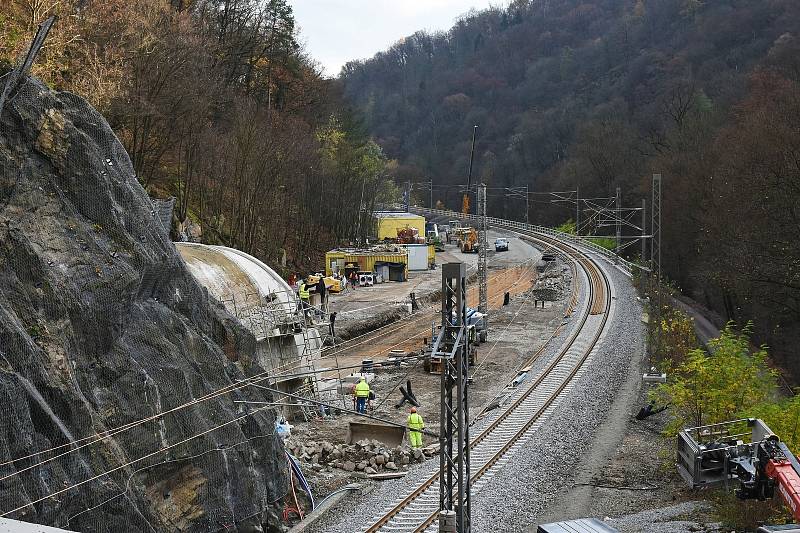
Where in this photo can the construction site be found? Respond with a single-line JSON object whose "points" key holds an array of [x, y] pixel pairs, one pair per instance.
{"points": [[430, 370]]}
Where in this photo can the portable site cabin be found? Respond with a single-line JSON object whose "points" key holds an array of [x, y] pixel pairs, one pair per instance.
{"points": [[392, 265], [420, 256], [390, 221]]}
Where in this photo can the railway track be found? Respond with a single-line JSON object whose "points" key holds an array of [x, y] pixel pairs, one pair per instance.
{"points": [[407, 334], [507, 430]]}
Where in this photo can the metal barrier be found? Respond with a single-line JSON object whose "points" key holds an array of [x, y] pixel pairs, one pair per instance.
{"points": [[583, 242]]}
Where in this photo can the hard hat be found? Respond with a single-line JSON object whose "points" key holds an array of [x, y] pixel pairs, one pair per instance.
{"points": [[363, 378], [413, 409]]}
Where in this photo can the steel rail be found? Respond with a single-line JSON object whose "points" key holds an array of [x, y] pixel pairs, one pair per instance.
{"points": [[598, 292], [598, 288], [427, 314]]}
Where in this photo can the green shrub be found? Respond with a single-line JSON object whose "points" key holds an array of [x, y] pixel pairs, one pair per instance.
{"points": [[567, 227], [706, 389], [605, 242], [676, 339]]}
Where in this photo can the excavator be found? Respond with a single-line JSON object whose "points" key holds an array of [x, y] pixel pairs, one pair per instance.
{"points": [[468, 241], [761, 464]]}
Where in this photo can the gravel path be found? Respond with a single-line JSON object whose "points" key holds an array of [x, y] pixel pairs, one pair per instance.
{"points": [[673, 519]]}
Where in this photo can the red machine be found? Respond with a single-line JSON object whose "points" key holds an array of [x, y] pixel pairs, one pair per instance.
{"points": [[409, 235], [719, 453]]}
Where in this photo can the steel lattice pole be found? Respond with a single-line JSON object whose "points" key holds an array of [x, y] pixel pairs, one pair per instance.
{"points": [[483, 289], [454, 471]]}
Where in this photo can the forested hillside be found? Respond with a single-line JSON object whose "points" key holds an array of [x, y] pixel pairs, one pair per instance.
{"points": [[217, 105], [603, 93]]}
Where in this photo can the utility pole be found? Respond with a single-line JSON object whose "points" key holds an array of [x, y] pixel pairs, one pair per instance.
{"points": [[431, 204], [644, 232], [578, 210], [655, 228], [407, 196], [451, 346], [527, 206], [483, 291], [655, 262], [618, 217]]}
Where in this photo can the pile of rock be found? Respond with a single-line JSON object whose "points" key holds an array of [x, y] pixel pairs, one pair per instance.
{"points": [[550, 286], [365, 456]]}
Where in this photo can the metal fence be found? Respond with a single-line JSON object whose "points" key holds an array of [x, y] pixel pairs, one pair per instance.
{"points": [[581, 242]]}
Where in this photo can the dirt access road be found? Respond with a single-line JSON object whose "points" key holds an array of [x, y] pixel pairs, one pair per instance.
{"points": [[513, 271]]}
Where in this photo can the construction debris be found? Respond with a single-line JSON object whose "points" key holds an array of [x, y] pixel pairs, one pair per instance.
{"points": [[364, 458], [551, 285]]}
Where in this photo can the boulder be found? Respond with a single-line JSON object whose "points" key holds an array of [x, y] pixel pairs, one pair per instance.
{"points": [[348, 466]]}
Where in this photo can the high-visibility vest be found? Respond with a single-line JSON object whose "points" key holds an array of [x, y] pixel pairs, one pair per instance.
{"points": [[304, 292], [415, 421], [361, 390]]}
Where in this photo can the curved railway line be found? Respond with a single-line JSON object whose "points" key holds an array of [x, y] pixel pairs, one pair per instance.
{"points": [[506, 432], [407, 334]]}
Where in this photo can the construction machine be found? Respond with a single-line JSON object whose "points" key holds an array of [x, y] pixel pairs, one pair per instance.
{"points": [[746, 451], [468, 242], [408, 235], [465, 200]]}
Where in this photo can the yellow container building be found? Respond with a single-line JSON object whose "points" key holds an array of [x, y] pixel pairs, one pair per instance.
{"points": [[344, 261], [389, 222]]}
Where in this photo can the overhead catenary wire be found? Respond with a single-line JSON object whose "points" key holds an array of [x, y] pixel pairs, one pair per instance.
{"points": [[345, 410], [103, 436], [130, 463]]}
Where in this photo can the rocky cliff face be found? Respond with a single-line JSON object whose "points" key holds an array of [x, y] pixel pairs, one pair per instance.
{"points": [[101, 325]]}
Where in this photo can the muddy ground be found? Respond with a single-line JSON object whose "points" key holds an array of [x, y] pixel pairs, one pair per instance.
{"points": [[516, 333]]}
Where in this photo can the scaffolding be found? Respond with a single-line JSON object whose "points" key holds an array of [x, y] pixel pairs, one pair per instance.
{"points": [[273, 321]]}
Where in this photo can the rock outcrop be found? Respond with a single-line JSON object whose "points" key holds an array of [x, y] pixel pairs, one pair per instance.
{"points": [[101, 326]]}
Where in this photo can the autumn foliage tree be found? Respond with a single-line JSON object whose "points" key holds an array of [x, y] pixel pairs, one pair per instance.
{"points": [[218, 106], [602, 94]]}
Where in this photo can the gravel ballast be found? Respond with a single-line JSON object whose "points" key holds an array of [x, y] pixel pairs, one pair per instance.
{"points": [[517, 495], [541, 473]]}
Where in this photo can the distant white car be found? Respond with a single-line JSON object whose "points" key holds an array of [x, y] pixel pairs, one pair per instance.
{"points": [[501, 245]]}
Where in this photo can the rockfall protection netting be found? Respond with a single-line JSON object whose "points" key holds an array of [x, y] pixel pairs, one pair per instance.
{"points": [[121, 379]]}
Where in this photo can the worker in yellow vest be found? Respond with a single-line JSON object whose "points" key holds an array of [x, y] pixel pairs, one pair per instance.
{"points": [[415, 425], [361, 392], [305, 297]]}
